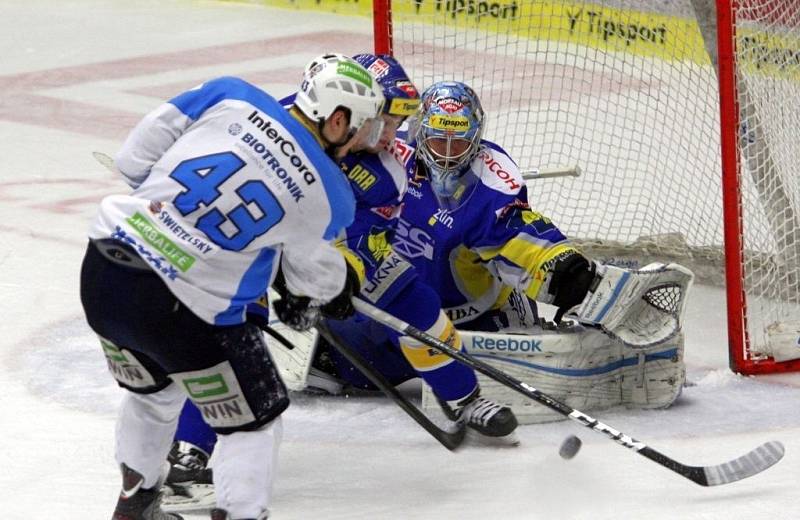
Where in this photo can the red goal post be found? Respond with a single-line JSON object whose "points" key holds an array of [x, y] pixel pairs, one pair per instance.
{"points": [[683, 115]]}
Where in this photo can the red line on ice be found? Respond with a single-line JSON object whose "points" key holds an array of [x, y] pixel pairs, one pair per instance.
{"points": [[21, 103]]}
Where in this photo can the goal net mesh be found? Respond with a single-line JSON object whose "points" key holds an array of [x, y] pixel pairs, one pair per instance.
{"points": [[627, 90]]}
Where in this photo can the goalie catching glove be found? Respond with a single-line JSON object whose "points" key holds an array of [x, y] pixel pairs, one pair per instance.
{"points": [[640, 307], [302, 313]]}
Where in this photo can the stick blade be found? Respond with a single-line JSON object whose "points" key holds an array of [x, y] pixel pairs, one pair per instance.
{"points": [[752, 463], [107, 161]]}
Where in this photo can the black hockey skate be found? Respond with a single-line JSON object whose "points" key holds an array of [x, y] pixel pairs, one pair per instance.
{"points": [[187, 465], [482, 415], [189, 484], [136, 503], [322, 375]]}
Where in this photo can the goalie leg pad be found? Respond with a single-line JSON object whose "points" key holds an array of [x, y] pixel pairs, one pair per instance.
{"points": [[657, 378], [582, 367]]}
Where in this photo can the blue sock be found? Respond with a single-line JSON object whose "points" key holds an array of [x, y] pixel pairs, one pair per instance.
{"points": [[194, 430]]}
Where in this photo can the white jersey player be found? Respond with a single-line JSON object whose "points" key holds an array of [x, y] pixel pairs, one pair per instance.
{"points": [[229, 189]]}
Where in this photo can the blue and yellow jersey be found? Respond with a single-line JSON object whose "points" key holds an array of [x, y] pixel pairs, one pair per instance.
{"points": [[378, 182], [493, 242]]}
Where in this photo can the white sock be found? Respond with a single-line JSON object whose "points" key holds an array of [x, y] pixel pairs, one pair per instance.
{"points": [[244, 469], [145, 428]]}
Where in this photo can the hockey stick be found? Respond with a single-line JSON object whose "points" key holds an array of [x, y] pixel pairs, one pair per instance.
{"points": [[547, 173], [107, 161], [745, 466], [280, 338], [449, 439]]}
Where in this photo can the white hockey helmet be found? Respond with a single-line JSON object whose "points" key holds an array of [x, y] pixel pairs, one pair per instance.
{"points": [[331, 81]]}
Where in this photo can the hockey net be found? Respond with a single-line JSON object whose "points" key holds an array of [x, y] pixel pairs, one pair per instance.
{"points": [[628, 90]]}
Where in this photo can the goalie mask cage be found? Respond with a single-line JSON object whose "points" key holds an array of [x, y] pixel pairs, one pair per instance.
{"points": [[683, 115]]}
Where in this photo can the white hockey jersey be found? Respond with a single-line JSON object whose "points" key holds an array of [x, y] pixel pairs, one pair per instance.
{"points": [[227, 184]]}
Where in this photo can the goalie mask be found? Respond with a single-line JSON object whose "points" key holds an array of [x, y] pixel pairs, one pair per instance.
{"points": [[333, 81], [447, 131]]}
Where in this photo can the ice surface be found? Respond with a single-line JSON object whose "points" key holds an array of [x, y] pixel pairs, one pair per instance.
{"points": [[75, 76]]}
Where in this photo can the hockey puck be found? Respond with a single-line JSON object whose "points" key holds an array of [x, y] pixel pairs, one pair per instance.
{"points": [[570, 447]]}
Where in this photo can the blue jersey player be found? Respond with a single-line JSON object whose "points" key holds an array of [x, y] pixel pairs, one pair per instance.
{"points": [[467, 226], [470, 234], [393, 284]]}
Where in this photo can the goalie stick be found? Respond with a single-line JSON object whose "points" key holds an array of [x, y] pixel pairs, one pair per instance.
{"points": [[548, 173], [747, 465], [449, 439]]}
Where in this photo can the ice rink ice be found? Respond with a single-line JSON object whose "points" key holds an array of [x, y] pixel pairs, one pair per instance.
{"points": [[74, 77]]}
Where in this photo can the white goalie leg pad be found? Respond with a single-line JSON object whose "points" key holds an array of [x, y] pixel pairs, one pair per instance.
{"points": [[639, 307], [244, 470], [584, 368], [658, 376], [144, 431]]}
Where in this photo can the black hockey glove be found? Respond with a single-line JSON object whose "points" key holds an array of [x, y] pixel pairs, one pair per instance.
{"points": [[341, 307], [294, 311], [297, 311], [572, 276]]}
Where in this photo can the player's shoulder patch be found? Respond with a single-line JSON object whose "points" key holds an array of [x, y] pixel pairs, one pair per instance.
{"points": [[403, 151], [377, 179], [396, 170], [497, 170]]}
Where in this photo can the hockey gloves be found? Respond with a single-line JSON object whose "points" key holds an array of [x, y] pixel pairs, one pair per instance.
{"points": [[640, 307], [302, 313], [570, 279], [341, 307], [297, 311]]}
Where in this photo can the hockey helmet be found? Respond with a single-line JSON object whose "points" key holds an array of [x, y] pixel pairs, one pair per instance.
{"points": [[331, 81], [402, 97]]}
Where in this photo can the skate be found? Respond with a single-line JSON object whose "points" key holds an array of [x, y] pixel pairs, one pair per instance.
{"points": [[189, 485], [322, 376], [136, 503], [482, 415], [187, 464], [221, 514]]}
